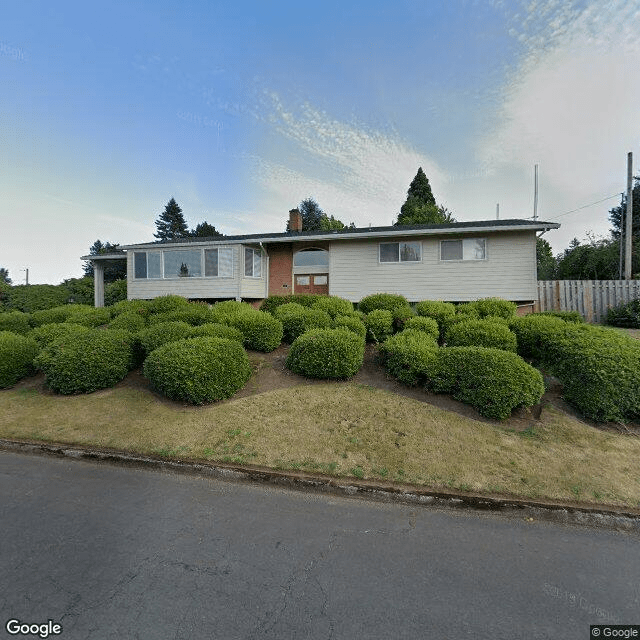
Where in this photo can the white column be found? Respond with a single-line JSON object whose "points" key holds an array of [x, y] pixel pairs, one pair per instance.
{"points": [[98, 283]]}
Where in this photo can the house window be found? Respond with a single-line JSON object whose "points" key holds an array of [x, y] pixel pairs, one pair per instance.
{"points": [[140, 264], [400, 252], [183, 263], [218, 263], [465, 249], [303, 281], [320, 280], [311, 258], [252, 263], [154, 265]]}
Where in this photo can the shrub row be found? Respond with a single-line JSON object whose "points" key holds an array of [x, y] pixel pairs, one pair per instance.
{"points": [[16, 357], [481, 333], [625, 315]]}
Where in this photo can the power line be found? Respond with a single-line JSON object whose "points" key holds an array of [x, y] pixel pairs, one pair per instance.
{"points": [[566, 213]]}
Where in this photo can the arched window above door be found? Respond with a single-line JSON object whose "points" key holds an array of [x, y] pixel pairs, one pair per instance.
{"points": [[312, 257]]}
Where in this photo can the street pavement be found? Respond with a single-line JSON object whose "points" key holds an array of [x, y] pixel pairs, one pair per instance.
{"points": [[107, 551]]}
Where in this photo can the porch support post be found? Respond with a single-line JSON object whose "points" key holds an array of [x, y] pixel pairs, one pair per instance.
{"points": [[98, 283]]}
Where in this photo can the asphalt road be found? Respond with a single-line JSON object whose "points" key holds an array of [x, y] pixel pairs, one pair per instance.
{"points": [[112, 552]]}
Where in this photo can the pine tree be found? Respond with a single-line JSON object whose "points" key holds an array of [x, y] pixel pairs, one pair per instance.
{"points": [[617, 215], [171, 224], [113, 269], [315, 219], [4, 276], [205, 230], [420, 206]]}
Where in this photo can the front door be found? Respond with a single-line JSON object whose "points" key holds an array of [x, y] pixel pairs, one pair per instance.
{"points": [[317, 283]]}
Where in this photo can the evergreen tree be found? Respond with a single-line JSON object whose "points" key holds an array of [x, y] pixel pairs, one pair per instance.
{"points": [[420, 206], [171, 224], [205, 230], [315, 219], [617, 215], [4, 276], [545, 261], [113, 269]]}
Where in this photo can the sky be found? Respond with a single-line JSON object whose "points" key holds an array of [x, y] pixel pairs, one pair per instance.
{"points": [[240, 110]]}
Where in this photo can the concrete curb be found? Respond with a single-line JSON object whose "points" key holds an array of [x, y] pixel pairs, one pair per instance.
{"points": [[526, 509]]}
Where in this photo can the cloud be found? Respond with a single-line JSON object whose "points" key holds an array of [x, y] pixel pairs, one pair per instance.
{"points": [[354, 172]]}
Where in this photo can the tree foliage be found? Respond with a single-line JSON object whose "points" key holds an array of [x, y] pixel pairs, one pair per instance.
{"points": [[171, 224], [205, 230], [617, 215], [420, 206], [545, 261], [4, 276], [315, 219], [113, 269]]}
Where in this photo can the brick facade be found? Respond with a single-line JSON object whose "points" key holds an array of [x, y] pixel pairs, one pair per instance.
{"points": [[280, 270]]}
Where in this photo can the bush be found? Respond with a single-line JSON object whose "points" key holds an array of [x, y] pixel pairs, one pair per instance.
{"points": [[86, 361], [130, 321], [141, 307], [334, 306], [271, 303], [436, 309], [529, 331], [16, 357], [163, 304], [158, 334], [326, 353], [379, 324], [114, 292], [90, 316], [468, 309], [495, 307], [425, 324], [261, 331], [47, 333], [15, 321], [297, 319], [217, 330], [567, 316], [198, 370], [34, 297], [79, 290], [410, 356], [481, 333], [492, 380], [400, 317], [195, 314], [385, 301], [55, 314], [625, 315], [352, 323], [223, 311]]}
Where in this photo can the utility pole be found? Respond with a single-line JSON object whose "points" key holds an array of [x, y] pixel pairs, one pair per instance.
{"points": [[535, 193], [27, 275], [629, 220], [498, 211]]}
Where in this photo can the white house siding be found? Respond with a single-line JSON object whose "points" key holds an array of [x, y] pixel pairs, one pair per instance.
{"points": [[254, 287], [508, 272], [187, 287]]}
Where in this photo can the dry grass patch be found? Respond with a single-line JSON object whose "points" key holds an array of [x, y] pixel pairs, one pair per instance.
{"points": [[348, 430]]}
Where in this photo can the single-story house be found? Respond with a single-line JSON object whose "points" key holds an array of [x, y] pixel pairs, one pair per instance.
{"points": [[455, 262]]}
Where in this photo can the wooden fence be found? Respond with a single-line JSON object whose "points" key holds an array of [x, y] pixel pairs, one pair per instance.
{"points": [[591, 298]]}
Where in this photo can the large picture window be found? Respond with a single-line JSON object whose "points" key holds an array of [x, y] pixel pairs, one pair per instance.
{"points": [[252, 263], [400, 252], [465, 249], [183, 263], [311, 258], [218, 262]]}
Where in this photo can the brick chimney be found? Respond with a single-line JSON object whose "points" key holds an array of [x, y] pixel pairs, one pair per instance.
{"points": [[295, 221]]}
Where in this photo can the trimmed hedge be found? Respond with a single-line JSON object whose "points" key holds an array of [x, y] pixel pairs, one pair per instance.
{"points": [[567, 316], [15, 321], [481, 333], [217, 330], [436, 309], [86, 361], [56, 314], [410, 356], [130, 321], [195, 314], [492, 380], [141, 307], [385, 301], [427, 325], [531, 329], [353, 323], [158, 334], [115, 291], [495, 307], [625, 315], [326, 353], [297, 319], [16, 357], [198, 370], [90, 317], [261, 331], [34, 297], [379, 324], [400, 317], [48, 333], [163, 304], [334, 306]]}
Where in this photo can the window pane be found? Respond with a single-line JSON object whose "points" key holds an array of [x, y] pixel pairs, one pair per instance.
{"points": [[410, 251], [184, 264], [248, 261], [140, 264], [311, 258], [319, 279], [257, 264], [211, 262], [389, 252], [451, 250], [303, 281], [225, 263], [474, 248], [154, 265]]}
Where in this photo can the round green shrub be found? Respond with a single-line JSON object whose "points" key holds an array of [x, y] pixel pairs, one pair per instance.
{"points": [[162, 304], [270, 304], [16, 357], [410, 356], [625, 315], [333, 305], [261, 331], [493, 381], [156, 335], [495, 307], [326, 353], [130, 321], [436, 309], [297, 319], [198, 370], [379, 324], [15, 321], [141, 307], [385, 301], [400, 317], [352, 323], [217, 330], [47, 333], [423, 323], [481, 333], [468, 309], [530, 331], [195, 314], [86, 361], [90, 317], [567, 316], [56, 314]]}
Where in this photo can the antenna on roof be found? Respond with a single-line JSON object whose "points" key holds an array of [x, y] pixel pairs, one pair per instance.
{"points": [[369, 225], [535, 193], [498, 211]]}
